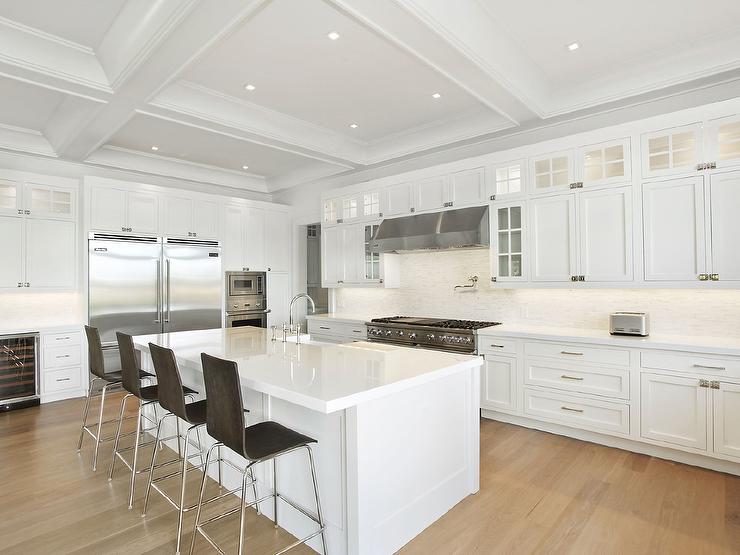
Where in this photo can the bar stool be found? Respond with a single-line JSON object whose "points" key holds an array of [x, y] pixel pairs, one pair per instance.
{"points": [[258, 443], [146, 396], [110, 380], [172, 395]]}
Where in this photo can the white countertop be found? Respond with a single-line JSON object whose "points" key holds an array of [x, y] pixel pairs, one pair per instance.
{"points": [[710, 345], [318, 376], [342, 317]]}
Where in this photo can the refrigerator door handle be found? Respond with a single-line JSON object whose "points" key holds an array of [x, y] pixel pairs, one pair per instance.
{"points": [[167, 289], [159, 292]]}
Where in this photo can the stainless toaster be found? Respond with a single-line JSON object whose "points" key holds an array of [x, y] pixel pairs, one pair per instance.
{"points": [[629, 323]]}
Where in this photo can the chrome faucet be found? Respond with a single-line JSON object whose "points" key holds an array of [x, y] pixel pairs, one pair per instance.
{"points": [[292, 302]]}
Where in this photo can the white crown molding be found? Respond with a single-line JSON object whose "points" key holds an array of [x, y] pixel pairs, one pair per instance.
{"points": [[152, 164], [45, 36], [67, 67], [20, 139], [301, 176], [255, 123]]}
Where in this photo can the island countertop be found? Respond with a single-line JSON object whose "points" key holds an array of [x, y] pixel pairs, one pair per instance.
{"points": [[318, 376]]}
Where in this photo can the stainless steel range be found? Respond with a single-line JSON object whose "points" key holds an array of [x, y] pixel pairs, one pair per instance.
{"points": [[430, 333]]}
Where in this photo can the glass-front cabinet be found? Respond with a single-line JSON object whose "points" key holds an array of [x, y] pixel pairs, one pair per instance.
{"points": [[671, 151], [507, 180], [330, 211], [371, 205], [723, 138], [508, 238], [371, 259], [10, 198], [44, 201], [552, 172], [605, 163]]}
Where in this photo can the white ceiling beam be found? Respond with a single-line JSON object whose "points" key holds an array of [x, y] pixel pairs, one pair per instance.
{"points": [[24, 140], [416, 28], [191, 103], [201, 25]]}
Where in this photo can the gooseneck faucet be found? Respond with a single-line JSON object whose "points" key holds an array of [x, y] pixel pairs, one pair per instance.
{"points": [[294, 299]]}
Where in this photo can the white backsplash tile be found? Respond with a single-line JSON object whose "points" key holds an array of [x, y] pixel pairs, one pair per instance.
{"points": [[33, 311], [428, 278]]}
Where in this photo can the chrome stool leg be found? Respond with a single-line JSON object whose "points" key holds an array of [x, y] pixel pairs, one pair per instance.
{"points": [[85, 413], [118, 435], [318, 501], [100, 426], [136, 457]]}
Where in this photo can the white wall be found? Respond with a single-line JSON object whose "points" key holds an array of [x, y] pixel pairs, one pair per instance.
{"points": [[427, 280]]}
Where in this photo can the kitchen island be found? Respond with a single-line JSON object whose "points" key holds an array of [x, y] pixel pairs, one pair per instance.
{"points": [[397, 428]]}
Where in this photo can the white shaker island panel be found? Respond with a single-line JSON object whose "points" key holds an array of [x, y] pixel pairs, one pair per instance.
{"points": [[397, 428]]}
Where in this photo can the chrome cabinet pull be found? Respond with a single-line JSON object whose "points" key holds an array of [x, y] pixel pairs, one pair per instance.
{"points": [[705, 367], [566, 377], [703, 277], [714, 384], [714, 277], [572, 353], [62, 356], [62, 338], [324, 328], [63, 379], [497, 346], [570, 409]]}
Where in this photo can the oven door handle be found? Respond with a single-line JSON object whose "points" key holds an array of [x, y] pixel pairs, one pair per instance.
{"points": [[247, 312]]}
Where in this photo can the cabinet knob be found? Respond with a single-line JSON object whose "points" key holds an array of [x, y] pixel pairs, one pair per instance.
{"points": [[714, 277], [20, 211], [20, 284], [27, 284], [703, 277], [123, 229], [27, 211], [269, 269]]}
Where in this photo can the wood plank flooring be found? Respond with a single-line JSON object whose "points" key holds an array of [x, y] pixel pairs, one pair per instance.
{"points": [[540, 493]]}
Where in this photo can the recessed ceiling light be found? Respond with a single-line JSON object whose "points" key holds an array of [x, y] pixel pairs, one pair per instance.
{"points": [[436, 95], [249, 87], [333, 35], [155, 148], [353, 125], [574, 46], [245, 167]]}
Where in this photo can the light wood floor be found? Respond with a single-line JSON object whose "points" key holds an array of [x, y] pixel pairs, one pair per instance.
{"points": [[540, 493]]}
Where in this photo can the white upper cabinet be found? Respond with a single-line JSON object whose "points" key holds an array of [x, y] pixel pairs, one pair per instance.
{"points": [[330, 211], [47, 201], [371, 205], [605, 163], [254, 258], [551, 172], [193, 218], [349, 209], [10, 197], [605, 235], [431, 194], [205, 219], [399, 200], [507, 180], [233, 246], [108, 209], [178, 216], [50, 253], [673, 230], [11, 269], [371, 270], [278, 298], [671, 151], [723, 141], [724, 226], [278, 241], [142, 209], [332, 259], [508, 239], [553, 242], [467, 188]]}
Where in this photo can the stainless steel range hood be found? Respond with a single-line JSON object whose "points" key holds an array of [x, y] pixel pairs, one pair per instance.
{"points": [[451, 229]]}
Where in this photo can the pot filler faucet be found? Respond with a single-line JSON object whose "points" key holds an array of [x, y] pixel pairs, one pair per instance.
{"points": [[294, 299]]}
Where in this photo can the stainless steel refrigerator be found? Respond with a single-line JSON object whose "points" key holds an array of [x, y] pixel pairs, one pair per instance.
{"points": [[144, 285]]}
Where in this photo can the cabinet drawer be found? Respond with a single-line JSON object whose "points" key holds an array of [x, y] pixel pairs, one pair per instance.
{"points": [[588, 414], [580, 378], [59, 357], [60, 380], [60, 339], [496, 346], [574, 352], [694, 363], [358, 331], [325, 328]]}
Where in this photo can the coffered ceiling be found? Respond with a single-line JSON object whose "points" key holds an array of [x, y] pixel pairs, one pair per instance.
{"points": [[302, 90]]}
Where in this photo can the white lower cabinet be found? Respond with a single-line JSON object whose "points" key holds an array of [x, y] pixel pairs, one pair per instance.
{"points": [[726, 401], [62, 368], [499, 384], [325, 329], [674, 410]]}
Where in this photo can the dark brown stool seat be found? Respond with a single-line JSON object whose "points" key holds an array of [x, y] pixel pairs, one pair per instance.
{"points": [[269, 439]]}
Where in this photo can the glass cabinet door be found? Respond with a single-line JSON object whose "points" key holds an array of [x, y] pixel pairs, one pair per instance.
{"points": [[45, 201], [372, 259], [671, 151], [10, 197], [508, 237], [605, 163], [552, 172]]}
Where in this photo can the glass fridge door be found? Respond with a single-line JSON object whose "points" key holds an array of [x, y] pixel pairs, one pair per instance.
{"points": [[17, 367]]}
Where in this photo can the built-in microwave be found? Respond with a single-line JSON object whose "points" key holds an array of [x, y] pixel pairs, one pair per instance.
{"points": [[239, 284]]}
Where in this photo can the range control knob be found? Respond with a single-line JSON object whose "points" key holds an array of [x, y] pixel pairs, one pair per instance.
{"points": [[430, 336], [387, 333], [236, 306], [412, 335], [444, 339], [400, 333], [468, 340]]}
